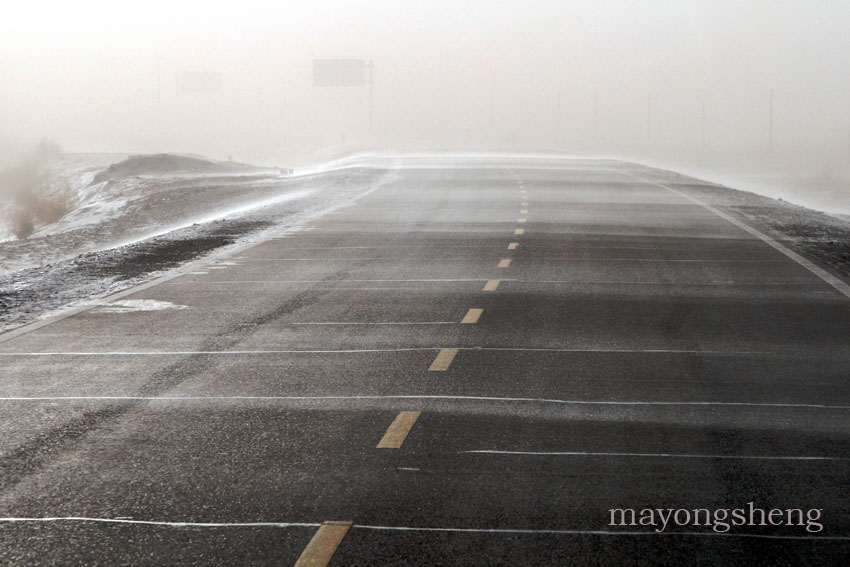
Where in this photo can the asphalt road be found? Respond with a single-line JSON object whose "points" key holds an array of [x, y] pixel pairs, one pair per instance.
{"points": [[624, 347]]}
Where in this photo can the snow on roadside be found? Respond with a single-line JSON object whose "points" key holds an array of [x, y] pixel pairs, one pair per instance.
{"points": [[136, 305], [126, 209], [167, 222]]}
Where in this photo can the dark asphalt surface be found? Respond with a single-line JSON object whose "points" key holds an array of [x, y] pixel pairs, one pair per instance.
{"points": [[639, 352]]}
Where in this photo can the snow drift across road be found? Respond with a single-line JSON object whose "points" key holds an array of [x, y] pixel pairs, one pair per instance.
{"points": [[134, 199], [144, 215]]}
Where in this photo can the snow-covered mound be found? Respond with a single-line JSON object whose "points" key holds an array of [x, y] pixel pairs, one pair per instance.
{"points": [[141, 222], [164, 164], [112, 200]]}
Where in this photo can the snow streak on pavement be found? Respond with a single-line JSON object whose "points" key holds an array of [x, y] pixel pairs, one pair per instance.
{"points": [[416, 380]]}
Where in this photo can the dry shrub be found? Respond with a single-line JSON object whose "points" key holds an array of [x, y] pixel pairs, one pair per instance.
{"points": [[35, 201], [23, 223], [50, 209]]}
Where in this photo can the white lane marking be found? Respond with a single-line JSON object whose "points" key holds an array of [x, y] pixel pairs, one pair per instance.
{"points": [[325, 281], [162, 523], [517, 531], [382, 323], [572, 258], [670, 260], [375, 258], [665, 455], [373, 350], [396, 289], [198, 273], [440, 246], [682, 284], [432, 397], [838, 284]]}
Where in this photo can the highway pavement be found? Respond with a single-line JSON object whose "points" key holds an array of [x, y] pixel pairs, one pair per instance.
{"points": [[470, 365]]}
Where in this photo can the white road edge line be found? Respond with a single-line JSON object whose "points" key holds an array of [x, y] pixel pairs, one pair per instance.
{"points": [[432, 397], [381, 323], [664, 455], [340, 281], [609, 282], [163, 523], [838, 284], [494, 531], [376, 350], [573, 258]]}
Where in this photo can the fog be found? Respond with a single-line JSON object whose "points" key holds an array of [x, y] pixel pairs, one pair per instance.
{"points": [[669, 81]]}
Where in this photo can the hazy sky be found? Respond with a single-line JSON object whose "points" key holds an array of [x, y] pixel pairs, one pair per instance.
{"points": [[85, 73]]}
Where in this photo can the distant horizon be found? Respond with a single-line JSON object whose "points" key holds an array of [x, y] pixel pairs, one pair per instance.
{"points": [[659, 79]]}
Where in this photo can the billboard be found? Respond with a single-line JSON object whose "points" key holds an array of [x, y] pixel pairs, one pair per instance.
{"points": [[339, 72]]}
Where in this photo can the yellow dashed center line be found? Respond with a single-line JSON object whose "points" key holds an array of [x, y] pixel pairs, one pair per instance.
{"points": [[513, 245], [504, 262], [444, 360], [524, 204], [521, 220], [472, 316], [519, 231], [491, 285], [322, 547], [523, 211], [398, 430]]}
